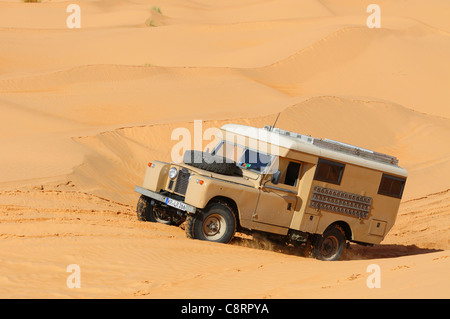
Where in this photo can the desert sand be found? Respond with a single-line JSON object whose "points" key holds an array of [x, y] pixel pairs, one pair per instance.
{"points": [[83, 110]]}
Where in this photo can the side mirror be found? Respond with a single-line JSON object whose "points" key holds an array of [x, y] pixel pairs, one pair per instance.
{"points": [[276, 177]]}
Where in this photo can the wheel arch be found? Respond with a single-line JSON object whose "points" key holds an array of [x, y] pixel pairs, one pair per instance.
{"points": [[230, 203], [345, 228]]}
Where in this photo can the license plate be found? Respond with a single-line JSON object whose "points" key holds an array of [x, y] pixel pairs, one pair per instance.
{"points": [[175, 203]]}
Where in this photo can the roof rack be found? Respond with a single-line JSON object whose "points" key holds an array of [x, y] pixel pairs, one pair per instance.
{"points": [[338, 146]]}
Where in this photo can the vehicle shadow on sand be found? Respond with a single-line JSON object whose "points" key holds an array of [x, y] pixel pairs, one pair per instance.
{"points": [[357, 252], [353, 252]]}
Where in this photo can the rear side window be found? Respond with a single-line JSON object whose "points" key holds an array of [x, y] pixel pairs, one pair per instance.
{"points": [[391, 186], [329, 171], [292, 172]]}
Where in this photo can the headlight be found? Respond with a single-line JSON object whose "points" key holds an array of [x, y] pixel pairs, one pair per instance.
{"points": [[173, 173]]}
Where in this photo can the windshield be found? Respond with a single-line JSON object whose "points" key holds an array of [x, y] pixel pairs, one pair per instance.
{"points": [[243, 156]]}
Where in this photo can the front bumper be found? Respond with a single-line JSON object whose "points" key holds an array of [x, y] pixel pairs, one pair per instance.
{"points": [[165, 199]]}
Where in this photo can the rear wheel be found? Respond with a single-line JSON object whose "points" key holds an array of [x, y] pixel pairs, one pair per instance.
{"points": [[217, 224], [330, 245]]}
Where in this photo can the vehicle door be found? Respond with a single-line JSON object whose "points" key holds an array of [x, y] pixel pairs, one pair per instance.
{"points": [[278, 199]]}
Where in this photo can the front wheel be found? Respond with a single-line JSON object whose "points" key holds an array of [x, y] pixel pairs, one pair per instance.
{"points": [[146, 212], [330, 245], [217, 224]]}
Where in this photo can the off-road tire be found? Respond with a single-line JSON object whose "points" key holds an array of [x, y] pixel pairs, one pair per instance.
{"points": [[217, 223], [146, 212], [211, 163], [331, 245], [189, 226]]}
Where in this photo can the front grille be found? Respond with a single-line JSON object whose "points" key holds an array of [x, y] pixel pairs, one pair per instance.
{"points": [[182, 182]]}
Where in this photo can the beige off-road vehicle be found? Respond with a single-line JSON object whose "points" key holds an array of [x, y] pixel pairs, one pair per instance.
{"points": [[300, 189]]}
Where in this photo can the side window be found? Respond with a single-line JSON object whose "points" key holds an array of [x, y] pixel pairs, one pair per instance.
{"points": [[290, 172], [391, 186], [329, 171]]}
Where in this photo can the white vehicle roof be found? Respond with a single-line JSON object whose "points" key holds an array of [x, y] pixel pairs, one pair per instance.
{"points": [[324, 148]]}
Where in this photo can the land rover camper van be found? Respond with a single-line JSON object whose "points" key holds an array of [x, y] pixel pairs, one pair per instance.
{"points": [[303, 190]]}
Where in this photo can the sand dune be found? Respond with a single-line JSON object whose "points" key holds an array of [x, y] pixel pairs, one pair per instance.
{"points": [[45, 230], [83, 111]]}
